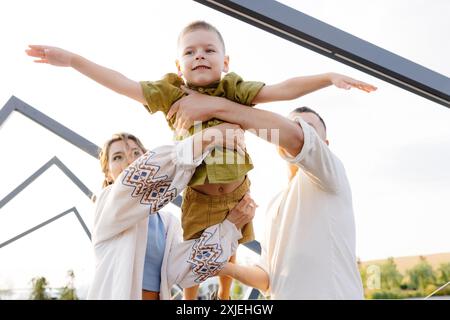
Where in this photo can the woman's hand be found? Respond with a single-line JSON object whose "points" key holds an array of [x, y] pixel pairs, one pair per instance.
{"points": [[243, 212], [226, 135], [51, 55]]}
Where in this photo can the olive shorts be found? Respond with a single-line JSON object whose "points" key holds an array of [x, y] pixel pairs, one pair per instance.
{"points": [[200, 211]]}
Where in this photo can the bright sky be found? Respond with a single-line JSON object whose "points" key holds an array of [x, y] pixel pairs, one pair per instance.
{"points": [[394, 144]]}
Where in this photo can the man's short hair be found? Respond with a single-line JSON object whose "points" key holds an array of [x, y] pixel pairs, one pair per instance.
{"points": [[307, 109]]}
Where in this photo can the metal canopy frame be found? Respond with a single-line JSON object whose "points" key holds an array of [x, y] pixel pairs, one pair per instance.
{"points": [[59, 164], [304, 30], [43, 224], [15, 104]]}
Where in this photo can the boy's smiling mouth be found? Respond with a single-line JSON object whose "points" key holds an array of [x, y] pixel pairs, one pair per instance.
{"points": [[201, 67]]}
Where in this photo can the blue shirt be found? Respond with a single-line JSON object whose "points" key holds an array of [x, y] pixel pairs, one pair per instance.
{"points": [[156, 242]]}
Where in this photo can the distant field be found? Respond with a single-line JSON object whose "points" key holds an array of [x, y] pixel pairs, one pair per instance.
{"points": [[405, 263]]}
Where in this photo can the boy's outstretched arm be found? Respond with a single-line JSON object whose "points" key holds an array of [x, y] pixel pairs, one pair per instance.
{"points": [[106, 77], [252, 276], [300, 86]]}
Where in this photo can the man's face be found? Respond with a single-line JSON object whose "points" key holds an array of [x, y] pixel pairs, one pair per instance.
{"points": [[313, 121], [201, 57]]}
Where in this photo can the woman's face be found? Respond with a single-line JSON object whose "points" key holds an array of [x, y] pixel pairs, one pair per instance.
{"points": [[121, 155]]}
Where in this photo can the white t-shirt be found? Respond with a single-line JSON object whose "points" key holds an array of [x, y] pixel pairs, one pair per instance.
{"points": [[309, 244]]}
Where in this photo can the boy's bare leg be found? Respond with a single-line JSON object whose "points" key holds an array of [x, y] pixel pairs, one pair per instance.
{"points": [[190, 293], [225, 284]]}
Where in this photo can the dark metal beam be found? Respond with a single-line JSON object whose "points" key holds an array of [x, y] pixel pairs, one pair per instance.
{"points": [[80, 219], [73, 178], [15, 104], [6, 110], [339, 45], [43, 224], [39, 172]]}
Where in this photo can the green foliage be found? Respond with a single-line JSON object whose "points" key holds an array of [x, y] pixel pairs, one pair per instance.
{"points": [[68, 292], [444, 273], [444, 291], [362, 273], [237, 292], [395, 294], [420, 281], [39, 289], [387, 294], [421, 275], [391, 278]]}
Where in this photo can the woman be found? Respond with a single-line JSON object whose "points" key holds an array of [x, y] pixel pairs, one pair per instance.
{"points": [[132, 193]]}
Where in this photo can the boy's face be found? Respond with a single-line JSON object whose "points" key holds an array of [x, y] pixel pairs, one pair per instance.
{"points": [[201, 57]]}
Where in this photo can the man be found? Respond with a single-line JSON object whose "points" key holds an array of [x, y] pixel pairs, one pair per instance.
{"points": [[309, 245]]}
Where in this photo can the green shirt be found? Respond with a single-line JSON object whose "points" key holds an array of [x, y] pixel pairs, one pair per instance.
{"points": [[220, 166]]}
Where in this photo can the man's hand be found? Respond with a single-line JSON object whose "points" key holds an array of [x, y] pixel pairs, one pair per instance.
{"points": [[344, 82], [193, 107], [243, 212], [51, 55]]}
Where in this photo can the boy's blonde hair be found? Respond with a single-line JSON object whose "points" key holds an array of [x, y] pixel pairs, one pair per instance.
{"points": [[104, 153], [201, 25]]}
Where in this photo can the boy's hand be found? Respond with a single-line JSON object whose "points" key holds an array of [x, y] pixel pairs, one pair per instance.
{"points": [[51, 55], [347, 83]]}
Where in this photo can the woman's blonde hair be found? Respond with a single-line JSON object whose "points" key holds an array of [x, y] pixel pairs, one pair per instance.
{"points": [[104, 152]]}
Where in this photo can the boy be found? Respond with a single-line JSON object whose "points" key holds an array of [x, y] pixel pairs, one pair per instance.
{"points": [[217, 185]]}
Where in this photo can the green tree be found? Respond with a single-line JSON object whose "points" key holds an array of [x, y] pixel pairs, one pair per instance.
{"points": [[238, 291], [39, 289], [362, 273], [421, 275], [444, 273], [391, 278], [68, 292], [387, 294]]}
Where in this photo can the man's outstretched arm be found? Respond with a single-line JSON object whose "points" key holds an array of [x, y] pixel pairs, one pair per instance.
{"points": [[199, 107]]}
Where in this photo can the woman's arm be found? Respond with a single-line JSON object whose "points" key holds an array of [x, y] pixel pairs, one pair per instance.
{"points": [[193, 261], [154, 180], [146, 186]]}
